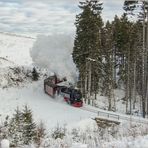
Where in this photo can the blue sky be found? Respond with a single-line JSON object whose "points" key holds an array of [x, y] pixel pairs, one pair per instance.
{"points": [[34, 17]]}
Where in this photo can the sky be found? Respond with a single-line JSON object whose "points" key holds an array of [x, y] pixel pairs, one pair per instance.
{"points": [[32, 17]]}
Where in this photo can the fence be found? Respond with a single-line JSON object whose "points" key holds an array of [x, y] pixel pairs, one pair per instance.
{"points": [[114, 116]]}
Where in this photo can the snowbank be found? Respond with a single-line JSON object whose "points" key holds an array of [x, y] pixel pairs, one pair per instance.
{"points": [[5, 143], [54, 52], [78, 145], [85, 124], [129, 142]]}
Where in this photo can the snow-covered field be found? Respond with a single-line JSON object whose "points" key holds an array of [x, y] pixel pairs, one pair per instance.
{"points": [[16, 49], [50, 111], [17, 90], [14, 52]]}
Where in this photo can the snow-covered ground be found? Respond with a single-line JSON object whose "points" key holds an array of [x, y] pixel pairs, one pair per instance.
{"points": [[15, 53], [50, 111], [17, 90], [16, 49]]}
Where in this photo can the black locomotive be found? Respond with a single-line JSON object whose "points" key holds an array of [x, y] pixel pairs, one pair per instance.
{"points": [[54, 86]]}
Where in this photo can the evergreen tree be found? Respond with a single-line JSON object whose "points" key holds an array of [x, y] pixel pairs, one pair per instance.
{"points": [[22, 129], [87, 46], [109, 65], [130, 5], [142, 16], [35, 75], [29, 126], [16, 129]]}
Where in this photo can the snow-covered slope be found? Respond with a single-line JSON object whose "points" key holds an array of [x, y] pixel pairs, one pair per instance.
{"points": [[5, 62], [15, 69], [16, 48], [14, 76], [50, 111]]}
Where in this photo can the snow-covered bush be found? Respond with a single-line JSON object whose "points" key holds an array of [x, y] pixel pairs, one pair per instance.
{"points": [[15, 76], [4, 129], [21, 129], [58, 132], [40, 134], [76, 134], [19, 76], [5, 143], [22, 132]]}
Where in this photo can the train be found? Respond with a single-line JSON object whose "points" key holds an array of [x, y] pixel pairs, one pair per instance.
{"points": [[54, 86]]}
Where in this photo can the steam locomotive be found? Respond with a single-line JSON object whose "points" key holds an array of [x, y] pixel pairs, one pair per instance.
{"points": [[54, 86]]}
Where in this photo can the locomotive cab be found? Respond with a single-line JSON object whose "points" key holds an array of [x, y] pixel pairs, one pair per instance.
{"points": [[72, 96]]}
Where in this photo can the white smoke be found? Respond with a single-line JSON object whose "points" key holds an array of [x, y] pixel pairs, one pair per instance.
{"points": [[54, 52]]}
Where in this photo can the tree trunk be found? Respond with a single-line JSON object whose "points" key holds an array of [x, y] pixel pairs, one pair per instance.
{"points": [[134, 86], [143, 68]]}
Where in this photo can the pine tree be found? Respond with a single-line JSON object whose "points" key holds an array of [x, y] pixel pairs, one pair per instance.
{"points": [[115, 35], [130, 6], [35, 74], [29, 127], [109, 65], [16, 129], [87, 46], [142, 15], [22, 129]]}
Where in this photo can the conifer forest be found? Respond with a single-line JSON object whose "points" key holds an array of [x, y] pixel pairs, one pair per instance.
{"points": [[113, 54]]}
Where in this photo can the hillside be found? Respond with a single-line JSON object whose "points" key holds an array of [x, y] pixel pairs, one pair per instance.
{"points": [[17, 88], [16, 48]]}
